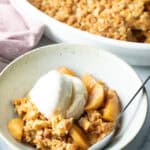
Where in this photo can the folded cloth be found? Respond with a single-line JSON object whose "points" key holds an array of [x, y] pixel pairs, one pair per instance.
{"points": [[17, 33]]}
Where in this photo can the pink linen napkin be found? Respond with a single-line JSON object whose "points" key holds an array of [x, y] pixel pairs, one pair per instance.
{"points": [[17, 33]]}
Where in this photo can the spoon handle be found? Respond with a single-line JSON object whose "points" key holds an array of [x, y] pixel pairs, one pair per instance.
{"points": [[131, 100]]}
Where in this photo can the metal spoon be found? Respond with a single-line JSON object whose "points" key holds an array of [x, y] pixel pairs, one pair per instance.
{"points": [[101, 144]]}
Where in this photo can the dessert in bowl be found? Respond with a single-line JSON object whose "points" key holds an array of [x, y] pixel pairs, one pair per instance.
{"points": [[63, 112], [25, 75]]}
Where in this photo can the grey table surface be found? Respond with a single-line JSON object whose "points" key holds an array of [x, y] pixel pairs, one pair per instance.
{"points": [[142, 140]]}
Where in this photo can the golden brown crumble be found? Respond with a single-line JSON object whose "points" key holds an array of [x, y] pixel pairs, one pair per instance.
{"points": [[53, 134], [43, 133], [119, 19]]}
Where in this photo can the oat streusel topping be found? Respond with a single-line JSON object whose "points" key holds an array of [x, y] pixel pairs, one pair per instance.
{"points": [[119, 19]]}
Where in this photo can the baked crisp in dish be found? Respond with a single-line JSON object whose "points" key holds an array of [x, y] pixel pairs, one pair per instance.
{"points": [[127, 20], [67, 133]]}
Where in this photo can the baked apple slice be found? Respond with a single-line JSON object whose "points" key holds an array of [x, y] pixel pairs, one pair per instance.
{"points": [[15, 127], [79, 137], [112, 107], [89, 82], [66, 70], [96, 97]]}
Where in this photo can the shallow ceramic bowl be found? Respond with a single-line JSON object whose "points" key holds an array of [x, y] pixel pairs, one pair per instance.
{"points": [[20, 76], [132, 52]]}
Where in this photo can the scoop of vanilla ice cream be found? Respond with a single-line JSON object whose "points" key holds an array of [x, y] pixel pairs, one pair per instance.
{"points": [[52, 94], [57, 93], [79, 97]]}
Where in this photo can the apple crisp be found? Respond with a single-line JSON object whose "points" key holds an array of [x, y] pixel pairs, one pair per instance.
{"points": [[127, 20], [57, 132]]}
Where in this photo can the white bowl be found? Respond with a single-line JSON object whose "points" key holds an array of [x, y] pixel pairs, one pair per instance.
{"points": [[19, 77], [134, 53]]}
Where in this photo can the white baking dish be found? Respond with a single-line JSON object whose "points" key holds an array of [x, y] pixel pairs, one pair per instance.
{"points": [[134, 53]]}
